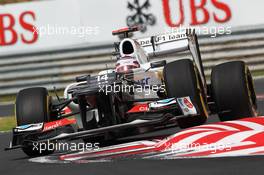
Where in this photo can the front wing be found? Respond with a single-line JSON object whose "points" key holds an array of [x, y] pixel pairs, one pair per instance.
{"points": [[160, 109]]}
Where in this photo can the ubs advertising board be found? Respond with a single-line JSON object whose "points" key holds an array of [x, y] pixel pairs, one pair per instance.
{"points": [[43, 25]]}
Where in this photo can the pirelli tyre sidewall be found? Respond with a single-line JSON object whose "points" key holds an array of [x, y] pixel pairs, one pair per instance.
{"points": [[233, 91], [181, 79], [32, 106]]}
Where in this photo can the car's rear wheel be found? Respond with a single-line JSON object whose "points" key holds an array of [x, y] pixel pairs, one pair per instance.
{"points": [[233, 91], [182, 80], [32, 106]]}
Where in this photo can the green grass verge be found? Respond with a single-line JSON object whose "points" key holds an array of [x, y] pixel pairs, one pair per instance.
{"points": [[7, 123], [7, 98], [257, 73]]}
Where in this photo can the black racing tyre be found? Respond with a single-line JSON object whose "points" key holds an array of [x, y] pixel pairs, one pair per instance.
{"points": [[233, 91], [32, 106], [181, 80]]}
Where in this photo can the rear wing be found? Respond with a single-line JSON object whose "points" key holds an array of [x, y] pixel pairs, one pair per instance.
{"points": [[164, 44], [172, 43]]}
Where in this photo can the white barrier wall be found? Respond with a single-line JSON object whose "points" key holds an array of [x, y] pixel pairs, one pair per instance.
{"points": [[18, 24], [43, 25]]}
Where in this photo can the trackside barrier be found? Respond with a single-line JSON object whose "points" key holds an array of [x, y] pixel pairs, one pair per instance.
{"points": [[59, 67]]}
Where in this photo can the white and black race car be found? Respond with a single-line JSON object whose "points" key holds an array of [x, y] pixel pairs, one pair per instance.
{"points": [[139, 95]]}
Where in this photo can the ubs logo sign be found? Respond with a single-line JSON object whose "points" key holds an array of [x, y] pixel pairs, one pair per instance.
{"points": [[140, 15]]}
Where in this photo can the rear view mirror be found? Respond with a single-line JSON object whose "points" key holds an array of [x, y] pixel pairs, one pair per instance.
{"points": [[158, 64]]}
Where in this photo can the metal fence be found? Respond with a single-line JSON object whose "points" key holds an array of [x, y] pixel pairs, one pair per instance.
{"points": [[59, 67]]}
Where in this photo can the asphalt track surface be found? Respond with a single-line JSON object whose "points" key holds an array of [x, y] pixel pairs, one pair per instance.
{"points": [[15, 162]]}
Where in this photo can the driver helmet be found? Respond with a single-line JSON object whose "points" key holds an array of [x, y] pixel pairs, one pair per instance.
{"points": [[126, 64]]}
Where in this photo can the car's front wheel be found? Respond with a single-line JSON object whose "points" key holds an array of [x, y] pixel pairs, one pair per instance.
{"points": [[182, 80], [32, 106]]}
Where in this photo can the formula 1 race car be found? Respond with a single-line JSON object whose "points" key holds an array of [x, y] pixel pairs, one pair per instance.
{"points": [[137, 96]]}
